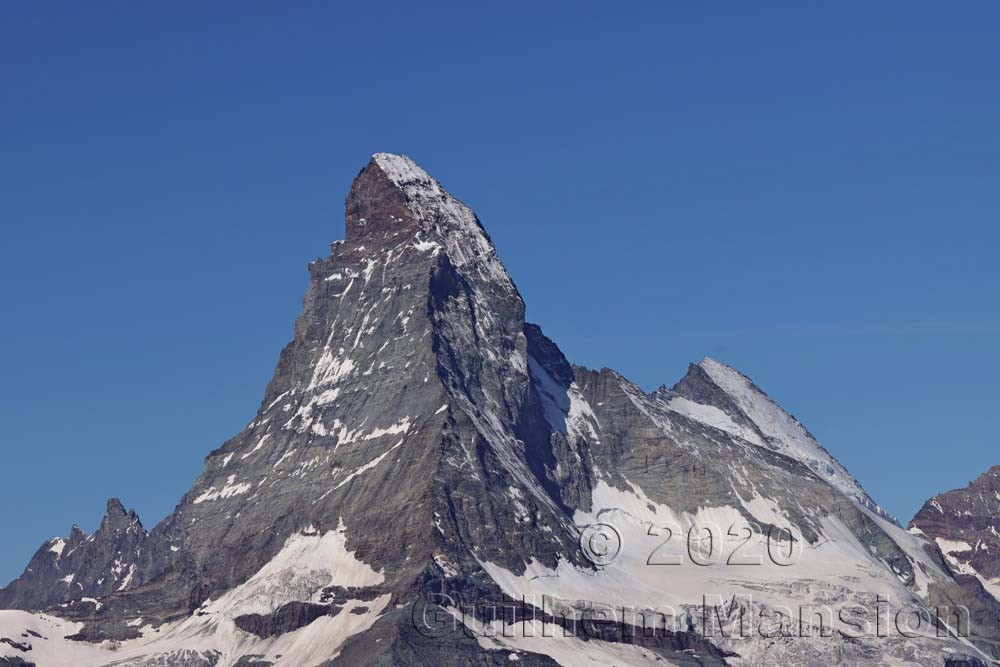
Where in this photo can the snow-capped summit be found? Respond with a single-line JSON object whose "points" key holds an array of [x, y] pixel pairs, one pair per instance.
{"points": [[403, 171]]}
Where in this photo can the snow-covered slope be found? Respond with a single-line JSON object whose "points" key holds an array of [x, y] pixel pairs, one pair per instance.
{"points": [[720, 396], [304, 573], [696, 507]]}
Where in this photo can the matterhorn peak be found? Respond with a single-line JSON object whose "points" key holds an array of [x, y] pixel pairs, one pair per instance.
{"points": [[422, 452]]}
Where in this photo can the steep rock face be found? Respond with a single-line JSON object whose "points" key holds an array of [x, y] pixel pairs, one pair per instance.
{"points": [[407, 372], [421, 448], [81, 565], [965, 523], [399, 426]]}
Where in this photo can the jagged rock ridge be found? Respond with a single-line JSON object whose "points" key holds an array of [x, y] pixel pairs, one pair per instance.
{"points": [[81, 565]]}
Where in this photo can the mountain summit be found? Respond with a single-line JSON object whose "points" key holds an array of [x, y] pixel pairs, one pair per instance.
{"points": [[429, 481]]}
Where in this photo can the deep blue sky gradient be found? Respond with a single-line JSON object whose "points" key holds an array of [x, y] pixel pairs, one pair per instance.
{"points": [[807, 193]]}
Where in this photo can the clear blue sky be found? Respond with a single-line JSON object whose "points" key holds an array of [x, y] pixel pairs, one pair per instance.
{"points": [[809, 194]]}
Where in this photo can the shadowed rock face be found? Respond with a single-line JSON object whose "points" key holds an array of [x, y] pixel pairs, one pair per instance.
{"points": [[13, 661], [966, 524], [421, 446]]}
